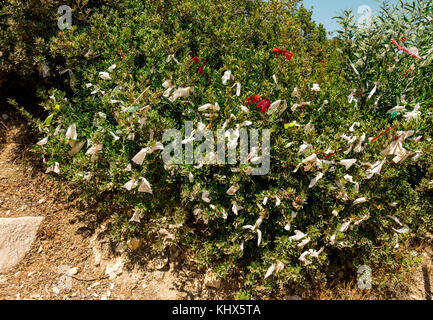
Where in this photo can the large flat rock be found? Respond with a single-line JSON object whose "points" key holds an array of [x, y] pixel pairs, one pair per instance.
{"points": [[16, 238]]}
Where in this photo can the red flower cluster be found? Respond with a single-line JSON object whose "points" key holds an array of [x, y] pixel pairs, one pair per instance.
{"points": [[288, 54], [252, 99], [264, 104], [200, 70]]}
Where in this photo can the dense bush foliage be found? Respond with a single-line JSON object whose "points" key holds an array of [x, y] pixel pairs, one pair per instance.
{"points": [[123, 110]]}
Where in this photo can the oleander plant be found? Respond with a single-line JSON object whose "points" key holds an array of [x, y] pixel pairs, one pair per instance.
{"points": [[350, 179]]}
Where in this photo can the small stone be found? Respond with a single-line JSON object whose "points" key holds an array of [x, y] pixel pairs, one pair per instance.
{"points": [[63, 269], [211, 281], [30, 274], [56, 290], [174, 252], [134, 244], [41, 201], [16, 238], [73, 271], [120, 248], [160, 263], [5, 116], [96, 256], [159, 275], [114, 268], [35, 296]]}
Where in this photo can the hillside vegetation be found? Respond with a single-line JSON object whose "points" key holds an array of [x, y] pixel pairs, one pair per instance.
{"points": [[350, 120]]}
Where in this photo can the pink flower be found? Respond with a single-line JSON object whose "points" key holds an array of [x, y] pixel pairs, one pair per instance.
{"points": [[264, 104]]}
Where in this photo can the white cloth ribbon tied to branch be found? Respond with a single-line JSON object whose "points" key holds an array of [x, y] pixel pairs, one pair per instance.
{"points": [[94, 151], [348, 163], [205, 196], [169, 86], [181, 93], [144, 186], [311, 161], [227, 77], [209, 106], [233, 189], [54, 168], [315, 87], [345, 226], [349, 178], [255, 228], [104, 76], [274, 77], [355, 124], [372, 92], [276, 267], [71, 133], [405, 227], [310, 253], [359, 200], [375, 169], [171, 57], [414, 114], [315, 180], [238, 88], [43, 142], [236, 208], [141, 155], [396, 147]]}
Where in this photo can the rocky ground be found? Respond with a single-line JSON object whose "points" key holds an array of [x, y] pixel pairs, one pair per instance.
{"points": [[69, 255]]}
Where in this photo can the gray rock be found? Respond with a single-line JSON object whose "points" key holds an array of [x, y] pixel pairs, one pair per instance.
{"points": [[211, 280], [16, 238]]}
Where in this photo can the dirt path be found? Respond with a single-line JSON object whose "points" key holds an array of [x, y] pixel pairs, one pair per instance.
{"points": [[72, 258]]}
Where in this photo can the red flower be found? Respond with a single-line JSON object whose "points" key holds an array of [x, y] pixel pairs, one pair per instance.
{"points": [[121, 54], [264, 104], [252, 99], [200, 70], [287, 54]]}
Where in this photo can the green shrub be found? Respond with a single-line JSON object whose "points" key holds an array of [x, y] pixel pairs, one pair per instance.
{"points": [[138, 36]]}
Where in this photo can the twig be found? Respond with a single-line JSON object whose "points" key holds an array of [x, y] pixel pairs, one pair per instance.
{"points": [[141, 94], [90, 280]]}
